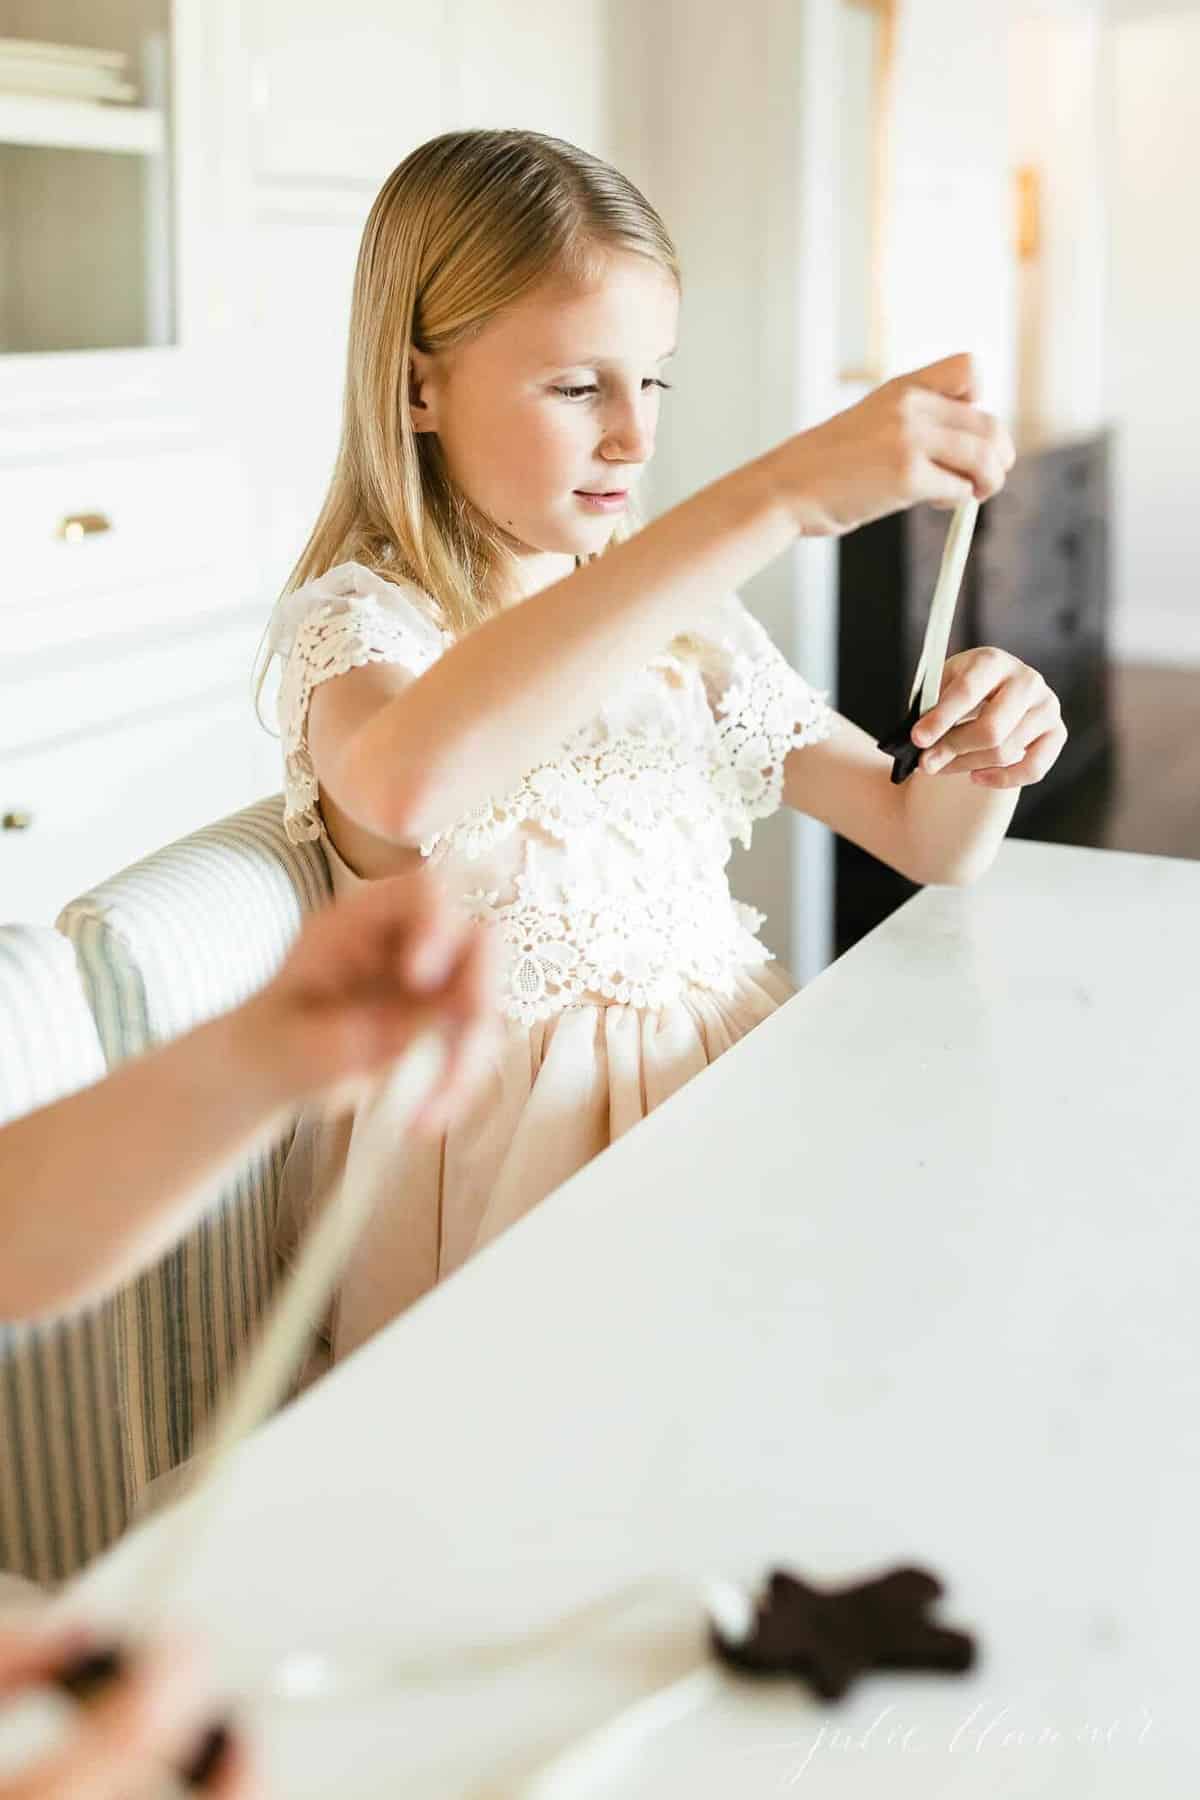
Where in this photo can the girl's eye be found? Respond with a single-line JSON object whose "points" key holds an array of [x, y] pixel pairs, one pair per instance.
{"points": [[573, 393]]}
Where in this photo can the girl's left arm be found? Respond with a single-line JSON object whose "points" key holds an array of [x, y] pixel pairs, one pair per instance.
{"points": [[996, 728]]}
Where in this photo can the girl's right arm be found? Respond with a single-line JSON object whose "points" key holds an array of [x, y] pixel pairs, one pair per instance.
{"points": [[403, 759]]}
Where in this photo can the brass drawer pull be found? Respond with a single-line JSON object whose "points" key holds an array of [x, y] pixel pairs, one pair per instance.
{"points": [[16, 821], [77, 526]]}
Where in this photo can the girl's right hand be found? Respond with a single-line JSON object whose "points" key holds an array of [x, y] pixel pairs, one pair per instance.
{"points": [[919, 437]]}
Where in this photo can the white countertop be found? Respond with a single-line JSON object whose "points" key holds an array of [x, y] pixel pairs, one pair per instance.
{"points": [[910, 1274]]}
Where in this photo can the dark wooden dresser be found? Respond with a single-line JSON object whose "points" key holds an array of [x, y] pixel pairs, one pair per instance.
{"points": [[1037, 584]]}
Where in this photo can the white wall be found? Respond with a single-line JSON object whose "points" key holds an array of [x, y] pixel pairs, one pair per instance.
{"points": [[1104, 104], [1154, 305], [335, 97], [950, 277], [725, 120], [1058, 112]]}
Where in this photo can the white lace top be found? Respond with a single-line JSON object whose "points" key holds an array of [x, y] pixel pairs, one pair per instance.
{"points": [[604, 870]]}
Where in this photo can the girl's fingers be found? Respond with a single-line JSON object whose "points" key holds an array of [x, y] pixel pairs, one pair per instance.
{"points": [[433, 948], [965, 690], [955, 377], [441, 952], [372, 971], [942, 487], [380, 1022], [973, 457], [400, 924], [956, 416], [464, 1010], [1039, 758], [1034, 724], [1002, 756], [472, 1008], [350, 940], [1016, 701]]}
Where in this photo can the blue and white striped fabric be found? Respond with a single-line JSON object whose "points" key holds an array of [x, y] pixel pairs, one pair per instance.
{"points": [[185, 934], [64, 1474]]}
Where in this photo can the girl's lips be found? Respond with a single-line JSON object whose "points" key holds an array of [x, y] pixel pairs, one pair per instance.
{"points": [[611, 502]]}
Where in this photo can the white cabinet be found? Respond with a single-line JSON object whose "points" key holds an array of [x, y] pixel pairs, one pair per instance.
{"points": [[72, 814], [129, 613], [110, 541], [124, 678], [153, 499], [84, 180]]}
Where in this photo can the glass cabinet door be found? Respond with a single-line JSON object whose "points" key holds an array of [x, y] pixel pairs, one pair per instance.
{"points": [[86, 228]]}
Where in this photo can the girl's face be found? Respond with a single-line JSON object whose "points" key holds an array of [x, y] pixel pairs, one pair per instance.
{"points": [[559, 393]]}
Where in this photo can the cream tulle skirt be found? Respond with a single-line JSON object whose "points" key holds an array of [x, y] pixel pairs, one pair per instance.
{"points": [[556, 1094]]}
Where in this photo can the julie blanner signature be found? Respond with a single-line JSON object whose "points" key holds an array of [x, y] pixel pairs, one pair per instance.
{"points": [[986, 1730]]}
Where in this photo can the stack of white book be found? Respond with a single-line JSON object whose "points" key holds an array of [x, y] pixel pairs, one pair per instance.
{"points": [[63, 71]]}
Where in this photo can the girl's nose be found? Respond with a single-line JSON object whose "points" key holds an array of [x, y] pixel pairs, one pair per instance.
{"points": [[630, 437]]}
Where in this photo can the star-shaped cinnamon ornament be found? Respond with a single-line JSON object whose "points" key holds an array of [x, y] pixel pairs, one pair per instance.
{"points": [[829, 1637]]}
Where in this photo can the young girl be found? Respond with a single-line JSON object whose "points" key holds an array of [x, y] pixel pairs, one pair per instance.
{"points": [[486, 666]]}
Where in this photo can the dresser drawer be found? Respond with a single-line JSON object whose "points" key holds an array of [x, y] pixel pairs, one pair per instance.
{"points": [[79, 626], [75, 814], [46, 697], [1044, 598], [1076, 482], [78, 526]]}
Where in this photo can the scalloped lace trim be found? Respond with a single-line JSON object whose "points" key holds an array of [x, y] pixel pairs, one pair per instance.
{"points": [[341, 635]]}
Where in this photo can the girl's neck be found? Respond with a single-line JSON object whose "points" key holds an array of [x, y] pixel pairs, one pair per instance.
{"points": [[532, 572]]}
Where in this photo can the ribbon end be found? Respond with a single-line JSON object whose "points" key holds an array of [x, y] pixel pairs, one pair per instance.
{"points": [[898, 744]]}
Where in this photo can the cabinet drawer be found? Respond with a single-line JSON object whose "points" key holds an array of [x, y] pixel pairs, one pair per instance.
{"points": [[99, 685], [82, 625], [93, 806], [137, 519], [1076, 482], [1046, 599]]}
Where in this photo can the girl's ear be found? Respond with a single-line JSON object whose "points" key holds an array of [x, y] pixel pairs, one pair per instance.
{"points": [[420, 391]]}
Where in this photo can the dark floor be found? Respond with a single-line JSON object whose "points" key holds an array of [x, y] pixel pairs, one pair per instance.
{"points": [[1151, 803]]}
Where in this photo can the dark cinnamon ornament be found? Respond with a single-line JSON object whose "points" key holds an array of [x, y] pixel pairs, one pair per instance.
{"points": [[829, 1637]]}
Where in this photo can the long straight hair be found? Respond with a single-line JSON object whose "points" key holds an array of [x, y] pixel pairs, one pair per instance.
{"points": [[467, 224]]}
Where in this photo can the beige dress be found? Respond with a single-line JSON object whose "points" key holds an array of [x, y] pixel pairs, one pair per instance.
{"points": [[627, 965]]}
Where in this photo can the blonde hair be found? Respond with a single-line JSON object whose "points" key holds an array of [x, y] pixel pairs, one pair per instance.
{"points": [[466, 225]]}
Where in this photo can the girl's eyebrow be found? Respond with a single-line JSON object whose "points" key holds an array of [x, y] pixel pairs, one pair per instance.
{"points": [[602, 362]]}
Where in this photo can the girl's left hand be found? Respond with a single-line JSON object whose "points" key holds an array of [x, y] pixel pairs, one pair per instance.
{"points": [[996, 721]]}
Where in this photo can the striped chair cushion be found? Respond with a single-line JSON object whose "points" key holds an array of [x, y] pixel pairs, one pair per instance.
{"points": [[64, 1473], [187, 933]]}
